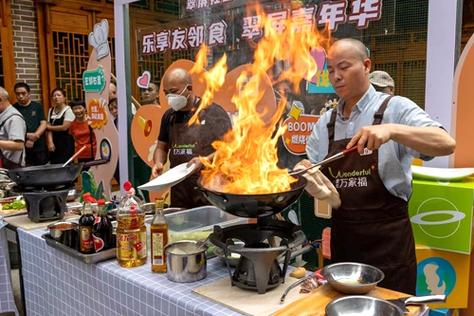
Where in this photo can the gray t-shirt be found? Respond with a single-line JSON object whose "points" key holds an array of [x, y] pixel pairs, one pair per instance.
{"points": [[14, 129]]}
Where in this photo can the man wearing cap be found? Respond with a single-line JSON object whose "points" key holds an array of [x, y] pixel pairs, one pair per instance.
{"points": [[382, 82]]}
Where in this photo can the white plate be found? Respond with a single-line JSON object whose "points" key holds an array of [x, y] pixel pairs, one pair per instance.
{"points": [[169, 178], [442, 174]]}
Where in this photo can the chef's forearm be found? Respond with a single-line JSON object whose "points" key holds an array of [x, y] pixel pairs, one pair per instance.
{"points": [[429, 141], [161, 153]]}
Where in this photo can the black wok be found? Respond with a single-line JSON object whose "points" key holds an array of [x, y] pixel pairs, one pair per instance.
{"points": [[254, 205], [49, 175]]}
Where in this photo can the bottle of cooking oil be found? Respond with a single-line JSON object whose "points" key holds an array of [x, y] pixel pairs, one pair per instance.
{"points": [[131, 230], [159, 238]]}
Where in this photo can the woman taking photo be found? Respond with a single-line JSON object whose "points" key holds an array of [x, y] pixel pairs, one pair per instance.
{"points": [[60, 116]]}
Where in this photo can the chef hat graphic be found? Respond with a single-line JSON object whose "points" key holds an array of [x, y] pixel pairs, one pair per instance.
{"points": [[98, 39]]}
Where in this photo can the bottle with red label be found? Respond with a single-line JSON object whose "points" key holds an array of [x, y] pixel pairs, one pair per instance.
{"points": [[86, 223], [131, 230], [102, 230]]}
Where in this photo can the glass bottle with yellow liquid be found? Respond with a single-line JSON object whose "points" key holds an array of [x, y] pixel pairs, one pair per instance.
{"points": [[159, 238], [131, 230]]}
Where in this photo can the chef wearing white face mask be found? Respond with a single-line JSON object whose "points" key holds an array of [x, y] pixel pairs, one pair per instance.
{"points": [[177, 101], [181, 141]]}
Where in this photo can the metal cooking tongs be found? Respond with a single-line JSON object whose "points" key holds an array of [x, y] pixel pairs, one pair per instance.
{"points": [[324, 161]]}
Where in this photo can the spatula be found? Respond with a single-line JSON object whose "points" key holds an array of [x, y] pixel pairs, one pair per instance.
{"points": [[417, 300]]}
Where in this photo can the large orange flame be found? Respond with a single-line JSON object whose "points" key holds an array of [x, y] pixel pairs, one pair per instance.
{"points": [[245, 161]]}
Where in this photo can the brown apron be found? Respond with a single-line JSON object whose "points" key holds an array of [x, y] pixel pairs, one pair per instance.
{"points": [[372, 225], [187, 142]]}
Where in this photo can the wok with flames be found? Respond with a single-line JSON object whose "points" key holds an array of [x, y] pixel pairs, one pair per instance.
{"points": [[254, 205]]}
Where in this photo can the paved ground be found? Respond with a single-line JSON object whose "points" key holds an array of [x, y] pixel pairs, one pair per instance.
{"points": [[16, 290]]}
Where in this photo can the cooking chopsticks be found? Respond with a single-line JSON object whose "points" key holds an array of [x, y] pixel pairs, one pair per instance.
{"points": [[324, 161]]}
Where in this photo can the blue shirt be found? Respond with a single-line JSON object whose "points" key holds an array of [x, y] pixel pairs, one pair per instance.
{"points": [[394, 159]]}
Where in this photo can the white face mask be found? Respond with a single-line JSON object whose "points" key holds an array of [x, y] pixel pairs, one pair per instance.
{"points": [[177, 101]]}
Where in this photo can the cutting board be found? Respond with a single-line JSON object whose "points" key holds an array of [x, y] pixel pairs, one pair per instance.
{"points": [[25, 223], [249, 302], [296, 304], [315, 303]]}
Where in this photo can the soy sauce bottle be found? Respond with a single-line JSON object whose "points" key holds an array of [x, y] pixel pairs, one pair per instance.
{"points": [[102, 229], [86, 223]]}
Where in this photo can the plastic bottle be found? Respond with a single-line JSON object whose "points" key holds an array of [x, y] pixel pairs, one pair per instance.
{"points": [[86, 222], [102, 230], [131, 230], [159, 238]]}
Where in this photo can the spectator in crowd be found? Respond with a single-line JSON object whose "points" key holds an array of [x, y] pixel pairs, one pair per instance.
{"points": [[150, 95], [12, 134], [382, 82], [112, 91], [36, 152], [113, 109], [82, 132], [60, 116]]}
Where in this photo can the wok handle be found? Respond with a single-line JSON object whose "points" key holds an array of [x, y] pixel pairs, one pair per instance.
{"points": [[95, 162], [425, 299]]}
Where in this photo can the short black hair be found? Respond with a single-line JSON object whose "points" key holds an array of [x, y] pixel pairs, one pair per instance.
{"points": [[77, 102], [21, 85]]}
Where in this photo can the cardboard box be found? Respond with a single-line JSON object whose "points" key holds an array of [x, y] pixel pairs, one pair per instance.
{"points": [[443, 272], [441, 214]]}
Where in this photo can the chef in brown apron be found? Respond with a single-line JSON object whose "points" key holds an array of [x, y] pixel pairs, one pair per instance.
{"points": [[182, 141], [370, 222]]}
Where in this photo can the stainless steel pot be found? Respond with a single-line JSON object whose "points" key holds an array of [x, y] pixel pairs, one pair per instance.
{"points": [[66, 233], [186, 261]]}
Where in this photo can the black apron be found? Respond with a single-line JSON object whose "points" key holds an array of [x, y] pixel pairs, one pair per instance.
{"points": [[63, 141], [187, 142], [372, 225]]}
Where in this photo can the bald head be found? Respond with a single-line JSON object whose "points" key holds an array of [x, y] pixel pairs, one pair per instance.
{"points": [[349, 66], [3, 94], [358, 48], [178, 76]]}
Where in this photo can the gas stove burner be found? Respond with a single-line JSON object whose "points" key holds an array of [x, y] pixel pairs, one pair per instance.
{"points": [[43, 205], [264, 245]]}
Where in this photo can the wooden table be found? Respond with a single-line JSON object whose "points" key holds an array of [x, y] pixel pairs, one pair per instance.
{"points": [[315, 303]]}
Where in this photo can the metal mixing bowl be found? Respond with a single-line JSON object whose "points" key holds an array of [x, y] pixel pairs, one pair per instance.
{"points": [[352, 277], [362, 305]]}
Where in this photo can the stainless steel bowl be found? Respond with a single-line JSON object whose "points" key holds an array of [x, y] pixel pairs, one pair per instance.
{"points": [[186, 261], [362, 305], [352, 277]]}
